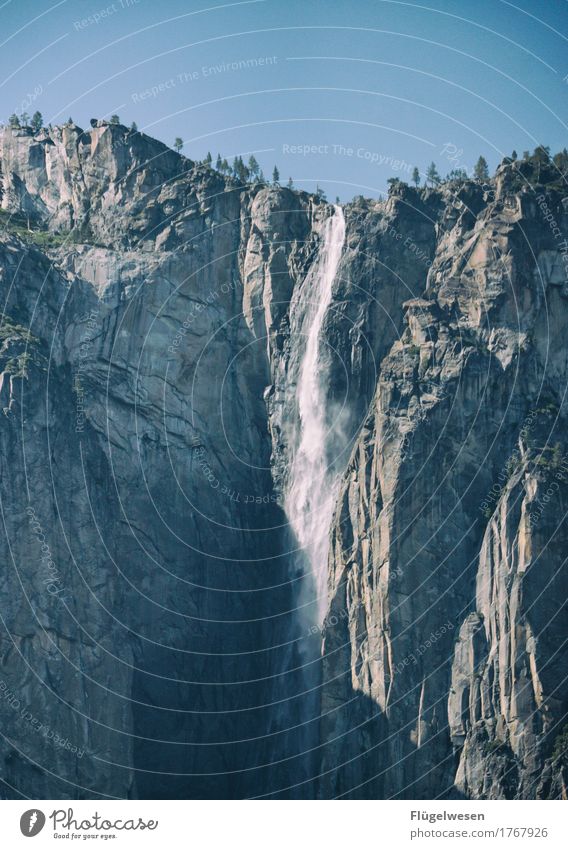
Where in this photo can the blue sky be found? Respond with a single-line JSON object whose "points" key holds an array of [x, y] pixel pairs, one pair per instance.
{"points": [[344, 94]]}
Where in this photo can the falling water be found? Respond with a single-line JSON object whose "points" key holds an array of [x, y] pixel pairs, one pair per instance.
{"points": [[313, 484]]}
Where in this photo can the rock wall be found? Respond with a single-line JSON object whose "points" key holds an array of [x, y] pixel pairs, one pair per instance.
{"points": [[155, 616], [438, 639]]}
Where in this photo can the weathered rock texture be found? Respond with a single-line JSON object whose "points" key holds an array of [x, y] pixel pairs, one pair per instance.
{"points": [[155, 616]]}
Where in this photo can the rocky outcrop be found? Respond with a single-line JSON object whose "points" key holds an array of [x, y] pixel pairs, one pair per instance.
{"points": [[166, 530], [160, 636], [508, 689], [413, 704]]}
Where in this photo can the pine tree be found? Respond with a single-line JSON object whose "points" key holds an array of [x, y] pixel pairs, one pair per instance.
{"points": [[290, 183], [225, 168], [37, 122], [261, 178], [253, 166], [514, 156], [416, 177], [481, 170], [457, 174], [432, 176], [240, 171], [25, 119], [561, 161], [208, 159], [114, 119], [14, 121], [178, 144], [542, 154], [320, 193], [69, 120], [276, 176], [134, 127], [541, 159], [219, 163]]}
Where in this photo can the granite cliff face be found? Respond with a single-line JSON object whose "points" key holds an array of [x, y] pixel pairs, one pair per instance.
{"points": [[160, 627]]}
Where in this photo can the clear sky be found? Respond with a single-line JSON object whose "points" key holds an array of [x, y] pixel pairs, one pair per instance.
{"points": [[346, 94]]}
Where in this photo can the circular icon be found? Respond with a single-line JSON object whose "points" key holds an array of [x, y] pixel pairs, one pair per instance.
{"points": [[32, 822]]}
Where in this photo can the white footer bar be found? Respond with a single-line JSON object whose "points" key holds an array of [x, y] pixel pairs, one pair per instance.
{"points": [[285, 825]]}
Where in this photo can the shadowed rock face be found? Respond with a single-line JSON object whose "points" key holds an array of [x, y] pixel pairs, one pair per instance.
{"points": [[156, 617]]}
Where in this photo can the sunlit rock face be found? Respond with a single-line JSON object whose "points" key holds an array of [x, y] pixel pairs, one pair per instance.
{"points": [[171, 341]]}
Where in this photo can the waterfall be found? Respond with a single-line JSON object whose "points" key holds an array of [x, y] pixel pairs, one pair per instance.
{"points": [[313, 483]]}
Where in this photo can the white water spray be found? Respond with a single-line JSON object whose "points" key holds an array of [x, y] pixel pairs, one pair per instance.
{"points": [[313, 485]]}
